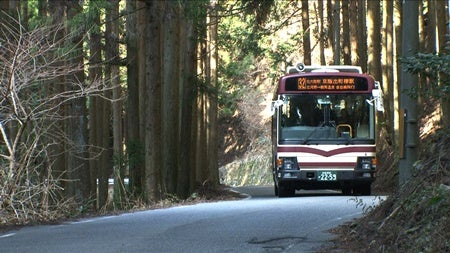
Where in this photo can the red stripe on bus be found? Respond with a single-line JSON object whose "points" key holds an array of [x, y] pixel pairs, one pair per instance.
{"points": [[326, 153], [326, 165]]}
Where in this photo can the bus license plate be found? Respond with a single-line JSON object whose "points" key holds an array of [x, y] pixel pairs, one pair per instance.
{"points": [[326, 176]]}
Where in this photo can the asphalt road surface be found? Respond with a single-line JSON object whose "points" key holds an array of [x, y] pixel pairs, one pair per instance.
{"points": [[259, 223]]}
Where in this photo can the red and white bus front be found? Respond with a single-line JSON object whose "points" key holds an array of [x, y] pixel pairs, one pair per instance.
{"points": [[323, 132]]}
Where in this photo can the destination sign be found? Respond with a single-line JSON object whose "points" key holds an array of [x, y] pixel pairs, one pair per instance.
{"points": [[326, 83]]}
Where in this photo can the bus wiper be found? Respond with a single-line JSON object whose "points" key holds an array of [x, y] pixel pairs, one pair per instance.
{"points": [[323, 126], [307, 139]]}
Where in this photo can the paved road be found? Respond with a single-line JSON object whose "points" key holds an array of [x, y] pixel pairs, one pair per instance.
{"points": [[260, 223]]}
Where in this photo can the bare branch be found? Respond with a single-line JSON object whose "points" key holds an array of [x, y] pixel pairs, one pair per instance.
{"points": [[37, 79]]}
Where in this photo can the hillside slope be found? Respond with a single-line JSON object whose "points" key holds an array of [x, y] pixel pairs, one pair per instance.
{"points": [[416, 217]]}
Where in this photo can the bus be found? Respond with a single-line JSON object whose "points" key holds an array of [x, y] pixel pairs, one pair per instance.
{"points": [[323, 130]]}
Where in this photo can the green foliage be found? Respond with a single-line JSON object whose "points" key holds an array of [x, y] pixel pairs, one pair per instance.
{"points": [[195, 10], [435, 67], [232, 71], [233, 82], [89, 15], [283, 50], [238, 37], [242, 43], [261, 9]]}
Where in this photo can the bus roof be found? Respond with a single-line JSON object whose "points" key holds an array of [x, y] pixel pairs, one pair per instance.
{"points": [[323, 68]]}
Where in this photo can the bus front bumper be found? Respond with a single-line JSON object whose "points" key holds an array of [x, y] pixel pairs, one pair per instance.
{"points": [[325, 177]]}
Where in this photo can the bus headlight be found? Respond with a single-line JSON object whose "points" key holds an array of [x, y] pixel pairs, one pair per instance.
{"points": [[287, 163], [367, 163], [366, 166]]}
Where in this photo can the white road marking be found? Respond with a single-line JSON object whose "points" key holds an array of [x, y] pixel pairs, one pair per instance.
{"points": [[7, 235]]}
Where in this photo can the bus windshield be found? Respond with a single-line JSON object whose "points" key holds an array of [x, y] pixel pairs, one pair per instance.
{"points": [[326, 119]]}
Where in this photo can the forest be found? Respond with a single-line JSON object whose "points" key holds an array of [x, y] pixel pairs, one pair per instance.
{"points": [[110, 105]]}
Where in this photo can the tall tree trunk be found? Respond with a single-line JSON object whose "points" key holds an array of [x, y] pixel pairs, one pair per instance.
{"points": [[374, 39], [197, 126], [408, 104], [187, 64], [388, 69], [99, 127], [429, 28], [354, 30], [362, 35], [397, 68], [134, 143], [170, 97], [322, 37], [213, 176], [442, 22], [78, 166], [306, 33], [423, 44], [346, 33], [330, 9], [143, 85], [151, 113], [112, 57], [200, 135], [337, 32], [57, 8]]}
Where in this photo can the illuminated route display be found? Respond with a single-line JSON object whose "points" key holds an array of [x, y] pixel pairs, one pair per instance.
{"points": [[326, 83]]}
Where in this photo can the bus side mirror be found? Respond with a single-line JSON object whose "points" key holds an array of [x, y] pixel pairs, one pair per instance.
{"points": [[275, 104], [378, 99]]}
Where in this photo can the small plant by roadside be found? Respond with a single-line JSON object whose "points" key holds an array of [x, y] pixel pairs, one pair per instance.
{"points": [[367, 206]]}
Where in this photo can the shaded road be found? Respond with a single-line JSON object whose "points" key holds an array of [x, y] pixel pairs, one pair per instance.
{"points": [[261, 223]]}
